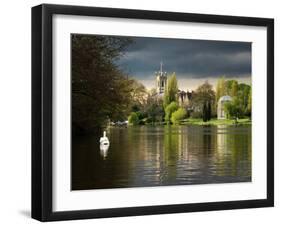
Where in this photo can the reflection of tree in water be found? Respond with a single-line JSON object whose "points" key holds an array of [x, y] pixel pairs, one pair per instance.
{"points": [[233, 151], [171, 148], [158, 155]]}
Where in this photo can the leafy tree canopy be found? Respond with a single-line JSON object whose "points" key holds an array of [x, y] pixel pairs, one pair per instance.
{"points": [[172, 107], [133, 118], [100, 91], [171, 90], [178, 115]]}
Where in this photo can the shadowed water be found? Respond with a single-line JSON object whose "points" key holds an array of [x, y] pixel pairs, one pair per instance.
{"points": [[162, 155]]}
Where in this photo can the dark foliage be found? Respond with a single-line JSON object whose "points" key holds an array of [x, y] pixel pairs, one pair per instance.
{"points": [[99, 90]]}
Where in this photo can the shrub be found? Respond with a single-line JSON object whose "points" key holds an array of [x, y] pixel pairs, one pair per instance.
{"points": [[141, 115], [133, 119], [233, 109], [172, 107], [196, 114], [178, 115]]}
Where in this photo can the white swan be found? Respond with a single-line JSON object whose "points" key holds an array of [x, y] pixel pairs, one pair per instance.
{"points": [[104, 140], [104, 145]]}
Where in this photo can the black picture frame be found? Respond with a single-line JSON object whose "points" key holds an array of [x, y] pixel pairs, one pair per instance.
{"points": [[42, 111]]}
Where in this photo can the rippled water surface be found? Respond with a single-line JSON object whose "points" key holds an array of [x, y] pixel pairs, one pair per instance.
{"points": [[162, 155]]}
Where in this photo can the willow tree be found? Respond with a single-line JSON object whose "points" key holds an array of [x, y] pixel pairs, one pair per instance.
{"points": [[234, 89], [171, 90], [220, 88]]}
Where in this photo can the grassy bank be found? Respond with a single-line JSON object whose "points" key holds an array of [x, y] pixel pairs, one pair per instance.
{"points": [[215, 122]]}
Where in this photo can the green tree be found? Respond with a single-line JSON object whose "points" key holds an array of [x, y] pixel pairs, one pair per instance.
{"points": [[133, 119], [209, 111], [135, 108], [138, 94], [249, 106], [234, 89], [100, 91], [220, 88], [243, 96], [204, 112], [171, 90], [233, 109], [172, 107], [154, 107], [178, 115], [203, 100], [155, 113], [228, 86]]}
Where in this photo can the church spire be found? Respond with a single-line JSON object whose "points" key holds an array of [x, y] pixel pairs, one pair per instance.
{"points": [[161, 79]]}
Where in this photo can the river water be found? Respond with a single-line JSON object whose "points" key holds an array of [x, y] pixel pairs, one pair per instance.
{"points": [[141, 156]]}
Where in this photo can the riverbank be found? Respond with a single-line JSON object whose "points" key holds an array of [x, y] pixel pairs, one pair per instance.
{"points": [[215, 122], [199, 122]]}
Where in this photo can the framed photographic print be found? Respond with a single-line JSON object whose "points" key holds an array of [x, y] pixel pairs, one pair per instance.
{"points": [[145, 112]]}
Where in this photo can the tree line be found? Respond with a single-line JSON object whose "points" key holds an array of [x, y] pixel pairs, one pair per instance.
{"points": [[101, 92], [203, 103], [241, 104]]}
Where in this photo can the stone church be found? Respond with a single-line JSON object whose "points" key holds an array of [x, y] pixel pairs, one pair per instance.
{"points": [[161, 83], [161, 80]]}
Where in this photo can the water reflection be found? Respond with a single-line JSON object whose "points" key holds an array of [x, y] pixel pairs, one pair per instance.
{"points": [[104, 150], [164, 155]]}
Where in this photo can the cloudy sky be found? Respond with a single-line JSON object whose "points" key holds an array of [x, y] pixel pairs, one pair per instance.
{"points": [[193, 61]]}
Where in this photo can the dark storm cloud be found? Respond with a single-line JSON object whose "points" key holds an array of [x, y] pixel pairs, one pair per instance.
{"points": [[188, 58]]}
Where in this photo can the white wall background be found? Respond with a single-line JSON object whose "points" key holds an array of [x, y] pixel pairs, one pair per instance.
{"points": [[15, 113]]}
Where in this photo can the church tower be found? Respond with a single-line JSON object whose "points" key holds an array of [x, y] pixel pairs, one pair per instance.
{"points": [[161, 80]]}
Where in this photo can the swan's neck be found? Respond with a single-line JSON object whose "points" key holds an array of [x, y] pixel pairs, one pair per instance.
{"points": [[104, 133]]}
